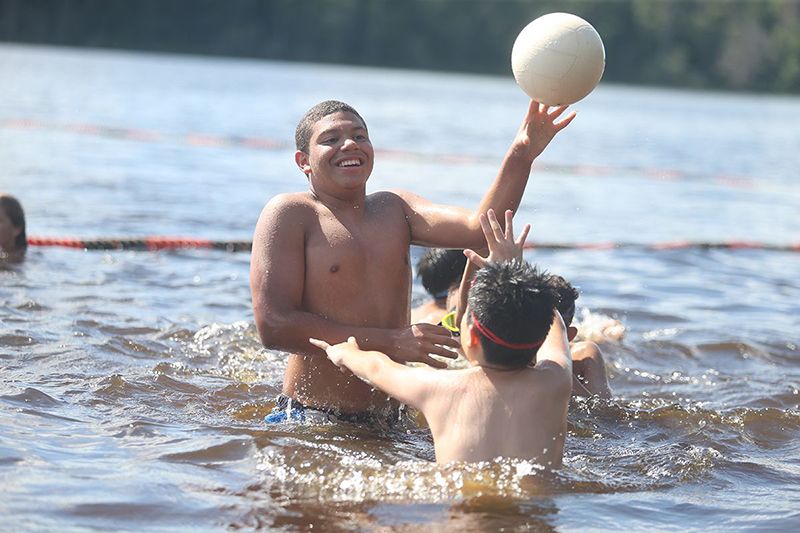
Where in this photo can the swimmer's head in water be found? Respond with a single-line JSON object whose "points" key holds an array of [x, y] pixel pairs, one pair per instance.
{"points": [[13, 215], [567, 294], [302, 135], [511, 305], [441, 269]]}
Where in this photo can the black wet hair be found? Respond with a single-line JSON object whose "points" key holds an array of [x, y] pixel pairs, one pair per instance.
{"points": [[515, 301], [16, 215], [302, 135], [567, 294], [440, 269]]}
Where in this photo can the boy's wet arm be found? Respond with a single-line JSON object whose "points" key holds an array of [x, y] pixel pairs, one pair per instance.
{"points": [[554, 357], [408, 385], [439, 225], [538, 128], [276, 265]]}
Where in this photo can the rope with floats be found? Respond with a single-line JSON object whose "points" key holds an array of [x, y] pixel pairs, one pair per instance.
{"points": [[149, 244], [152, 244]]}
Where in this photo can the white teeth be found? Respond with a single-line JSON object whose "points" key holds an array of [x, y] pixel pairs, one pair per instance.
{"points": [[350, 163]]}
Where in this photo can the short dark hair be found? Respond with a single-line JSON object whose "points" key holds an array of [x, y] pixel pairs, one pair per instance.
{"points": [[514, 301], [440, 269], [16, 215], [567, 294], [302, 135]]}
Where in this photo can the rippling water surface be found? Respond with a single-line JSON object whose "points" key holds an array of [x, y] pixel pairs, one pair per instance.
{"points": [[134, 384]]}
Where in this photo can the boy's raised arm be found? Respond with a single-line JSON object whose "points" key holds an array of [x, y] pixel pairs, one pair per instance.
{"points": [[450, 227]]}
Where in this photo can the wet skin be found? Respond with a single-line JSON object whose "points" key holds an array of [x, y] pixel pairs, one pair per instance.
{"points": [[333, 262]]}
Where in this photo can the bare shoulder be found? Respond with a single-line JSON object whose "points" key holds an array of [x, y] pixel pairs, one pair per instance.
{"points": [[287, 208], [405, 198], [389, 198], [289, 203], [441, 386], [549, 376]]}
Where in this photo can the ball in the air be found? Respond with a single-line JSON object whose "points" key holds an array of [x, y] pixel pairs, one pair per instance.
{"points": [[558, 59]]}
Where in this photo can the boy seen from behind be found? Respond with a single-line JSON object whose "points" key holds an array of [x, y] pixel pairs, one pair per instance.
{"points": [[499, 406]]}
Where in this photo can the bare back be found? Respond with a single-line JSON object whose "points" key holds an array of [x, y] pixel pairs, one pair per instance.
{"points": [[476, 415]]}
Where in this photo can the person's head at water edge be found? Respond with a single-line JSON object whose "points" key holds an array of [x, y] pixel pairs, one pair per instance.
{"points": [[334, 150], [509, 313], [440, 270], [13, 240]]}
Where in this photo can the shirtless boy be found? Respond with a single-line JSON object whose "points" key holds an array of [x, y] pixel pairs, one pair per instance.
{"points": [[333, 262], [500, 406]]}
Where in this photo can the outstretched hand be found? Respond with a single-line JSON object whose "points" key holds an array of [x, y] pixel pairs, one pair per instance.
{"points": [[336, 352], [413, 344], [502, 246], [540, 126]]}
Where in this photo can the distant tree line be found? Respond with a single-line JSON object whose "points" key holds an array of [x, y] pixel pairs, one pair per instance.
{"points": [[742, 45]]}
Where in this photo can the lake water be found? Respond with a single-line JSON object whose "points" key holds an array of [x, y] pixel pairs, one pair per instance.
{"points": [[134, 385]]}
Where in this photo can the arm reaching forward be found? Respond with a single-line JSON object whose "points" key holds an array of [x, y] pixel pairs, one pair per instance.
{"points": [[409, 385]]}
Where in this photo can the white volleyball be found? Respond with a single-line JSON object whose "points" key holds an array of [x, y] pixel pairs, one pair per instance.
{"points": [[558, 59]]}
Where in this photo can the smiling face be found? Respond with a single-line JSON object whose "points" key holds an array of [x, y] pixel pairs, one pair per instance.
{"points": [[340, 155]]}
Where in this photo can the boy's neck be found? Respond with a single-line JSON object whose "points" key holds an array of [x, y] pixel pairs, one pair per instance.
{"points": [[486, 367], [477, 361]]}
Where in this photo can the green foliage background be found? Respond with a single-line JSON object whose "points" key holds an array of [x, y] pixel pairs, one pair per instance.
{"points": [[738, 44]]}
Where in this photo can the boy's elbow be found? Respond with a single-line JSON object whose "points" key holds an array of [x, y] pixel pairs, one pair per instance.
{"points": [[376, 367], [475, 239], [271, 329]]}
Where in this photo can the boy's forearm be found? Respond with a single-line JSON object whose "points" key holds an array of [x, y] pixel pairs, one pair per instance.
{"points": [[508, 187], [372, 366], [364, 364], [290, 332]]}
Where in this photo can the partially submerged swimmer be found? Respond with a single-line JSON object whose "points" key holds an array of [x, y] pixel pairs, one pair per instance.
{"points": [[440, 271], [333, 261], [588, 366], [13, 240], [499, 406]]}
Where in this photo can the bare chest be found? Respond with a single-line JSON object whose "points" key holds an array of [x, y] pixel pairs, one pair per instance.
{"points": [[343, 251]]}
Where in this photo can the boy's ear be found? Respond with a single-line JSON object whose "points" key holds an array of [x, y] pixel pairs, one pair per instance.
{"points": [[472, 335], [572, 331], [301, 159]]}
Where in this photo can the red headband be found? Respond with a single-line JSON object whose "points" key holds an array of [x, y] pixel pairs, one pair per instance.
{"points": [[500, 342]]}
